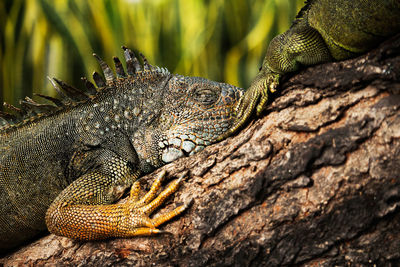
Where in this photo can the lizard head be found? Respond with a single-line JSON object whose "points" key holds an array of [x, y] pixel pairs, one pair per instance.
{"points": [[166, 116], [196, 112]]}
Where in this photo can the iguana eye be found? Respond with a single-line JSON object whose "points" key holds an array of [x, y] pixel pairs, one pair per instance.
{"points": [[206, 96]]}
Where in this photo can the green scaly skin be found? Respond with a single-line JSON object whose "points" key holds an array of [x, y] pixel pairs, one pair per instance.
{"points": [[324, 30], [65, 168]]}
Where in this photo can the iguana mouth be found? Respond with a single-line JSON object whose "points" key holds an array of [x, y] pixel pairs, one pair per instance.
{"points": [[184, 145]]}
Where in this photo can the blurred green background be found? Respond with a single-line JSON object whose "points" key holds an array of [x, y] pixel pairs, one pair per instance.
{"points": [[223, 40]]}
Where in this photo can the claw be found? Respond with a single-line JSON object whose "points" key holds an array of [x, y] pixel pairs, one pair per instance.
{"points": [[161, 175], [188, 203], [182, 176], [138, 221], [147, 232], [155, 202], [169, 215], [254, 100], [273, 87], [239, 111], [150, 195]]}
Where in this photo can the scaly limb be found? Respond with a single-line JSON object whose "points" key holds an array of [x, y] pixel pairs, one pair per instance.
{"points": [[301, 45], [147, 204], [84, 211], [255, 99], [135, 189]]}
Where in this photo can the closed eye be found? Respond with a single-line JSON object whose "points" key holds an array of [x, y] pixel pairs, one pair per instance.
{"points": [[206, 96]]}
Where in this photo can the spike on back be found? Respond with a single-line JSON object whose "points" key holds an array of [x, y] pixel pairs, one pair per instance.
{"points": [[91, 89], [72, 92], [133, 67], [146, 65], [132, 63], [71, 96], [35, 107], [98, 80], [108, 74], [119, 69]]}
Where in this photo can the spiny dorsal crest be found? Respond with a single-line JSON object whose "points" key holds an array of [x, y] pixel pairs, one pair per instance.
{"points": [[71, 96]]}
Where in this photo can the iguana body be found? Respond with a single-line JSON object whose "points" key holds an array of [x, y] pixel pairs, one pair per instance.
{"points": [[324, 30], [80, 157]]}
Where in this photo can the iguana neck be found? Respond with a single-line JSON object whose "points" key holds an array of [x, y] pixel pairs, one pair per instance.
{"points": [[128, 112]]}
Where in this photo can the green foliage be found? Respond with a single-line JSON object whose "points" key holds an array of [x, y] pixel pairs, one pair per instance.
{"points": [[224, 40]]}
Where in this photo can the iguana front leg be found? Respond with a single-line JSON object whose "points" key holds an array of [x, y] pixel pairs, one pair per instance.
{"points": [[301, 45], [84, 211]]}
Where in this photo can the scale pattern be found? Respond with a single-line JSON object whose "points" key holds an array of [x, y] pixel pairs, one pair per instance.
{"points": [[65, 164]]}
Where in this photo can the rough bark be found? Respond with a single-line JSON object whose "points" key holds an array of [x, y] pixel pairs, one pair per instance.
{"points": [[316, 181]]}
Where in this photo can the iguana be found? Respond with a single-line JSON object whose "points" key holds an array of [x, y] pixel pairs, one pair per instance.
{"points": [[65, 165], [323, 31]]}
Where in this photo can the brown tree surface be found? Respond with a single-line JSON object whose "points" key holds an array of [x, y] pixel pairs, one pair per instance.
{"points": [[316, 181]]}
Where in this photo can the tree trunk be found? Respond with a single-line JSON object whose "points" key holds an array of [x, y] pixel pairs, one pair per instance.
{"points": [[316, 181]]}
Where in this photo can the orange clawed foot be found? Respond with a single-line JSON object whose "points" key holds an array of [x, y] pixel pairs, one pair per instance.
{"points": [[136, 220]]}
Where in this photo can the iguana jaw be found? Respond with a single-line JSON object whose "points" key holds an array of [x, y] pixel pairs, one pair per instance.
{"points": [[200, 125], [194, 113], [181, 145]]}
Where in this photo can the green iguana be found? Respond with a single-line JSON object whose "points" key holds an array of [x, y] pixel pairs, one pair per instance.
{"points": [[65, 164], [324, 30]]}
